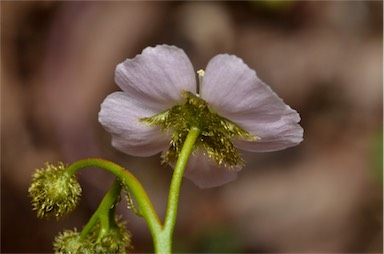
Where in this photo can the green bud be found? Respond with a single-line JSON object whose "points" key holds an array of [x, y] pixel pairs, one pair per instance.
{"points": [[70, 242], [54, 192], [117, 240]]}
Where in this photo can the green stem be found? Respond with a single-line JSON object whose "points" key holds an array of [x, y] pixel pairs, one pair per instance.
{"points": [[163, 243], [103, 211], [137, 190], [161, 234]]}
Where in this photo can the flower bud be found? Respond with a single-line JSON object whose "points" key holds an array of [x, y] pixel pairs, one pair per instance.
{"points": [[70, 242], [118, 240], [54, 192]]}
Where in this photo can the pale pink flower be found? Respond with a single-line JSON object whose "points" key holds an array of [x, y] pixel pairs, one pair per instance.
{"points": [[153, 82]]}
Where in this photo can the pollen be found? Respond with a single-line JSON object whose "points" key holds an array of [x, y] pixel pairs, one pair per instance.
{"points": [[201, 73]]}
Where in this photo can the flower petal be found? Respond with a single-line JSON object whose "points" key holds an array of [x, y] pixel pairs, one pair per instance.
{"points": [[205, 172], [160, 74], [277, 131], [120, 114], [233, 90]]}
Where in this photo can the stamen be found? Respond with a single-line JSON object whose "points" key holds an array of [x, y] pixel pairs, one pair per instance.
{"points": [[201, 74]]}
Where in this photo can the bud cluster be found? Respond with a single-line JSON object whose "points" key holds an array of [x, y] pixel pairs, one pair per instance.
{"points": [[117, 240]]}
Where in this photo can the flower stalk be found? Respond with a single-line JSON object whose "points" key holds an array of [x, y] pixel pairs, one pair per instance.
{"points": [[164, 242], [103, 212], [161, 233], [135, 187]]}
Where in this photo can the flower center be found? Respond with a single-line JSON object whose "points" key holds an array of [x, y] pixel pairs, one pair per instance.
{"points": [[216, 135]]}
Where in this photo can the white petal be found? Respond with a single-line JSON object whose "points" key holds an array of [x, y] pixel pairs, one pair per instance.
{"points": [[233, 90], [120, 114], [205, 172], [160, 73]]}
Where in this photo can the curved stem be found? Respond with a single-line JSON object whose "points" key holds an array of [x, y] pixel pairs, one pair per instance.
{"points": [[165, 239], [161, 234], [137, 190], [103, 211]]}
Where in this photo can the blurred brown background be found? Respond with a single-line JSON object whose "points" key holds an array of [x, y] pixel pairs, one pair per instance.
{"points": [[323, 58]]}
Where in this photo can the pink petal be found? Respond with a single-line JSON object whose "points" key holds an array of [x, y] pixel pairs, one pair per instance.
{"points": [[120, 114], [160, 74], [205, 172], [236, 93]]}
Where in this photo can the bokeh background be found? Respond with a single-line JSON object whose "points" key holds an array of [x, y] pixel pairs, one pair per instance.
{"points": [[324, 58]]}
